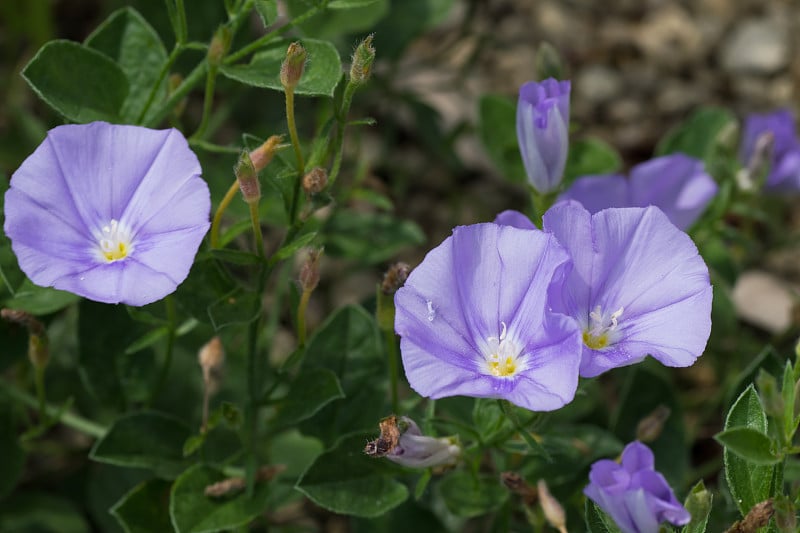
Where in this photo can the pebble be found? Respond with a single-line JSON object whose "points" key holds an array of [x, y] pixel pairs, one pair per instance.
{"points": [[759, 46]]}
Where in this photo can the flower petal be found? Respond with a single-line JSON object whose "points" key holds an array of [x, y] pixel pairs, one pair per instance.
{"points": [[514, 219], [599, 192]]}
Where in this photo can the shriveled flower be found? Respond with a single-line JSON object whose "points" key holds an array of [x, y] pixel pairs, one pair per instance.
{"points": [[633, 493], [542, 131], [401, 441], [474, 319], [112, 213], [676, 183], [638, 286], [784, 174]]}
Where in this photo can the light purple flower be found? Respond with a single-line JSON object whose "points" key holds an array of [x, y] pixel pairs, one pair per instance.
{"points": [[112, 213], [474, 319], [784, 172], [542, 131], [636, 496], [416, 450], [638, 286], [677, 184]]}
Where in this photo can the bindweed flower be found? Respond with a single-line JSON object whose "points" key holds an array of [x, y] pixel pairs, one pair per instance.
{"points": [[403, 443], [784, 174], [112, 213], [474, 319], [677, 184], [636, 496], [638, 286], [542, 131]]}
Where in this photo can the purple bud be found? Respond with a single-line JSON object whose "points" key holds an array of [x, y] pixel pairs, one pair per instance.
{"points": [[784, 173], [636, 496], [542, 128], [415, 450]]}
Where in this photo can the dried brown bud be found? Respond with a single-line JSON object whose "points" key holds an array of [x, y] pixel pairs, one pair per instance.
{"points": [[758, 517], [309, 272], [232, 485], [388, 439], [363, 57], [315, 180], [220, 44], [516, 484], [247, 177], [293, 65], [394, 278], [261, 156], [650, 427], [211, 358], [553, 512], [23, 318], [785, 517], [38, 352]]}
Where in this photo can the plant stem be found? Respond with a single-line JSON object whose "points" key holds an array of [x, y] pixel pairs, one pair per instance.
{"points": [[194, 77], [38, 377], [391, 350], [301, 317], [183, 31], [223, 205], [341, 122], [72, 420], [255, 219], [173, 56], [208, 100], [169, 302], [298, 152]]}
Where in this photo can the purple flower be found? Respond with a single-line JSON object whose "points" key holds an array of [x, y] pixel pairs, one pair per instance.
{"points": [[784, 173], [638, 286], [112, 213], [415, 450], [542, 128], [636, 496], [474, 319], [677, 184]]}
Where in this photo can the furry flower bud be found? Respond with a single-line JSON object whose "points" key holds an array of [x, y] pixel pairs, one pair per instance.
{"points": [[262, 156], [361, 65], [315, 180], [248, 178], [220, 44], [293, 65]]}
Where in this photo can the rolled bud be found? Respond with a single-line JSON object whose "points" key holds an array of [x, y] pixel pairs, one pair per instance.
{"points": [[220, 44], [363, 57], [211, 358], [315, 180], [402, 442], [769, 393], [263, 155], [553, 512], [248, 178], [293, 65], [758, 517], [38, 350], [650, 427], [394, 278], [548, 62], [309, 272]]}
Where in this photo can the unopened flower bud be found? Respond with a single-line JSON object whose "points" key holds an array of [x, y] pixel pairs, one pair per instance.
{"points": [[548, 63], [402, 442], [262, 155], [516, 484], [363, 57], [211, 358], [785, 518], [650, 427], [173, 82], [394, 278], [553, 512], [38, 351], [220, 44], [758, 517], [309, 272], [770, 396], [293, 65], [315, 180], [248, 178]]}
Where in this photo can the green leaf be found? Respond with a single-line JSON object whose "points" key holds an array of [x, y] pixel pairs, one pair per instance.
{"points": [[787, 392], [268, 11], [469, 496], [194, 512], [235, 257], [698, 134], [40, 300], [698, 503], [38, 512], [143, 509], [332, 23], [497, 118], [287, 250], [346, 481], [207, 283], [350, 4], [749, 484], [147, 439], [12, 453], [127, 38], [369, 237], [749, 444], [590, 157], [322, 72], [349, 345], [310, 391], [596, 520], [80, 83], [294, 451], [237, 307], [489, 420]]}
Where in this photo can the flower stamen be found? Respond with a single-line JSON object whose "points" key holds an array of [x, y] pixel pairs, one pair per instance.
{"points": [[602, 331], [114, 242], [503, 353]]}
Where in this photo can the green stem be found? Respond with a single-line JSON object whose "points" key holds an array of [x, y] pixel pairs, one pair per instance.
{"points": [[169, 302], [183, 29], [223, 205], [301, 317], [430, 412], [391, 350], [341, 122], [255, 219], [208, 101], [194, 77], [72, 420], [38, 376], [173, 56], [298, 152]]}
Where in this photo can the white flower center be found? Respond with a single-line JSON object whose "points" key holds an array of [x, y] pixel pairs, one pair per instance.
{"points": [[114, 242], [502, 355], [602, 329]]}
